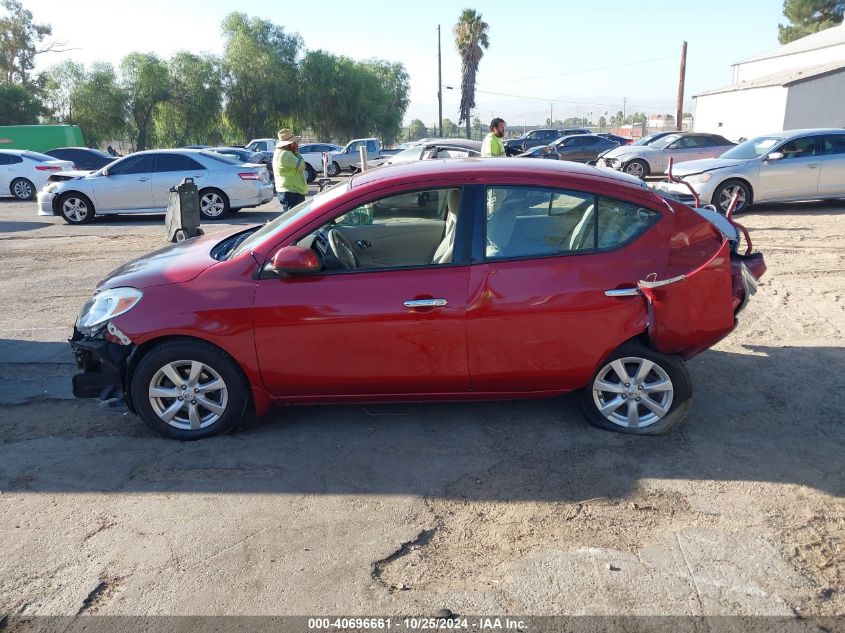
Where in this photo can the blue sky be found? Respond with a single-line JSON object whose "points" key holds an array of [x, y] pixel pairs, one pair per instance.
{"points": [[586, 56]]}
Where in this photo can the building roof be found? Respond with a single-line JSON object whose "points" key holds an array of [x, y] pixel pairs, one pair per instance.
{"points": [[785, 78], [833, 36]]}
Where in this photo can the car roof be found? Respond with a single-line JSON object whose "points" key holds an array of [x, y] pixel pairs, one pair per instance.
{"points": [[453, 142], [469, 167], [805, 132]]}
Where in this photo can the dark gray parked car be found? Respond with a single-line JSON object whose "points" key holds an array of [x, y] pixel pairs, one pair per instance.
{"points": [[583, 148]]}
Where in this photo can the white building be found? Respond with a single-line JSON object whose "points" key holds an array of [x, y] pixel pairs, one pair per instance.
{"points": [[799, 85]]}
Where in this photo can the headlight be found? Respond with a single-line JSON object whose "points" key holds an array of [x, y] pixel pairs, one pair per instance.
{"points": [[697, 178], [106, 305]]}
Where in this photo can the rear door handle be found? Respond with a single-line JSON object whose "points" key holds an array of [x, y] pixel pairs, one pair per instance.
{"points": [[143, 179], [813, 166], [425, 303]]}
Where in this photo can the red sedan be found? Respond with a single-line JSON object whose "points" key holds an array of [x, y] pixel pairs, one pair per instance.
{"points": [[435, 280]]}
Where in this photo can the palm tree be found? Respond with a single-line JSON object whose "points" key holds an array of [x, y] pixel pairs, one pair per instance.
{"points": [[470, 39]]}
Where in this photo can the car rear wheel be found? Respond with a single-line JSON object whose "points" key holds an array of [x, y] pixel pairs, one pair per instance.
{"points": [[76, 208], [639, 391], [22, 189], [725, 192], [332, 169], [214, 204], [637, 167], [187, 390]]}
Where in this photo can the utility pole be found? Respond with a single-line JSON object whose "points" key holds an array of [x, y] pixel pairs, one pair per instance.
{"points": [[439, 86], [624, 110], [551, 114], [679, 112]]}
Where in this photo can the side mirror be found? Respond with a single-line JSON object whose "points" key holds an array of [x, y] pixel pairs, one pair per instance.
{"points": [[295, 260], [775, 156]]}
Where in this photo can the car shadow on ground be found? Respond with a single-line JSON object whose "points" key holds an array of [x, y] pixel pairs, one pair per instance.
{"points": [[8, 226], [767, 415], [811, 208]]}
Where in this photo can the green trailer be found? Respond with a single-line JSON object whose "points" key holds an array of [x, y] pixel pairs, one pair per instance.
{"points": [[40, 138]]}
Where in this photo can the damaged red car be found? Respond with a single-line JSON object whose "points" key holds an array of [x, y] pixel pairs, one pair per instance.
{"points": [[437, 280]]}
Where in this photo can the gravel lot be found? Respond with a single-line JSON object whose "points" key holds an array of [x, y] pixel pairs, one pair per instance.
{"points": [[506, 508]]}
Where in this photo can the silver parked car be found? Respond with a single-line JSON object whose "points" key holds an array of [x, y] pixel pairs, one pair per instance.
{"points": [[141, 182], [779, 167], [645, 160]]}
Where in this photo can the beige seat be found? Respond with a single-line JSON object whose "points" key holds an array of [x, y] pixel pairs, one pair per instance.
{"points": [[443, 254]]}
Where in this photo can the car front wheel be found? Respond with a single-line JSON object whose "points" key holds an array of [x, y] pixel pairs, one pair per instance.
{"points": [[332, 169], [187, 390], [76, 208], [637, 167], [725, 192], [639, 391], [22, 189]]}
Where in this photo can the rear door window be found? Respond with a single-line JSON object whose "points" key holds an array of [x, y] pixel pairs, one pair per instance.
{"points": [[10, 159], [371, 146], [833, 145]]}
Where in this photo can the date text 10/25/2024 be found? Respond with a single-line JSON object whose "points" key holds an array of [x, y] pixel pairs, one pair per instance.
{"points": [[416, 624]]}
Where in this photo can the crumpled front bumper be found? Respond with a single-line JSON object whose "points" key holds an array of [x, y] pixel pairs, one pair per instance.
{"points": [[103, 364]]}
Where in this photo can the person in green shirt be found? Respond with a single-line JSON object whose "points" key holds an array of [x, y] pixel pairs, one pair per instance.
{"points": [[289, 168], [492, 145]]}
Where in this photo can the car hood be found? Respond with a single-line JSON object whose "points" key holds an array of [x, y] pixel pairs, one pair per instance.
{"points": [[706, 164], [71, 174], [628, 151], [174, 264]]}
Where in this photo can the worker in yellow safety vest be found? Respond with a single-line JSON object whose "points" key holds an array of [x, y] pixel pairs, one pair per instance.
{"points": [[492, 145], [289, 170]]}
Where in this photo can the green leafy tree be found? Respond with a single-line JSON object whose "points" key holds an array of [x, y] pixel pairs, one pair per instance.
{"points": [[450, 128], [18, 106], [60, 85], [21, 41], [99, 105], [478, 127], [602, 123], [146, 82], [261, 84], [417, 130], [809, 16], [392, 97], [471, 40], [192, 114]]}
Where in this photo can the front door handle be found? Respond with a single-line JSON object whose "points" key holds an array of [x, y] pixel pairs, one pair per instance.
{"points": [[622, 292], [425, 303], [813, 166], [145, 179]]}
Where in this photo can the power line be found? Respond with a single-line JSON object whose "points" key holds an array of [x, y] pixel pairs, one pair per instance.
{"points": [[578, 72], [587, 103]]}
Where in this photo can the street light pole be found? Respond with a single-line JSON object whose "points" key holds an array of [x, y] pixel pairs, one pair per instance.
{"points": [[439, 86]]}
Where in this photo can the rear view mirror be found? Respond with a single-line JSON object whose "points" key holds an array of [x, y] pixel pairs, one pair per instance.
{"points": [[775, 156], [295, 260]]}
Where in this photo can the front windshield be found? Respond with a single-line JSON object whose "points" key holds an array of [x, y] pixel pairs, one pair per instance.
{"points": [[666, 140], [753, 148], [285, 219]]}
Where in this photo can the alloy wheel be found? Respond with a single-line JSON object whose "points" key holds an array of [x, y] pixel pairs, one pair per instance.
{"points": [[212, 204], [75, 209], [635, 169], [188, 395], [633, 392], [22, 190], [727, 195]]}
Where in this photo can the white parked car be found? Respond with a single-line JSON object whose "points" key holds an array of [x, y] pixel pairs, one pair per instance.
{"points": [[778, 167], [141, 182], [652, 159], [313, 154], [22, 172]]}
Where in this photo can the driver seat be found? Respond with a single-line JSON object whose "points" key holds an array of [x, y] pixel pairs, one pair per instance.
{"points": [[443, 254]]}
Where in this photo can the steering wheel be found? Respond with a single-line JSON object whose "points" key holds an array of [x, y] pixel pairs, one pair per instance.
{"points": [[342, 250]]}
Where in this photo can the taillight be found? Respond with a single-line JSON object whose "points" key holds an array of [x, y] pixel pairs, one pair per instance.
{"points": [[249, 175], [48, 168]]}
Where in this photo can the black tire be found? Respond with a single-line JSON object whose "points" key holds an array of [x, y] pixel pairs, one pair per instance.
{"points": [[665, 366], [333, 169], [76, 208], [214, 205], [232, 399], [722, 196], [310, 174], [22, 189], [637, 167], [181, 235]]}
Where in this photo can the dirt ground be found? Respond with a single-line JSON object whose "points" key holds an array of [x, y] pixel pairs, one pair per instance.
{"points": [[505, 508]]}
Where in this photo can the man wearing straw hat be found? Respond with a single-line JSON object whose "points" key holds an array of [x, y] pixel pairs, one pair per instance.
{"points": [[289, 168]]}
